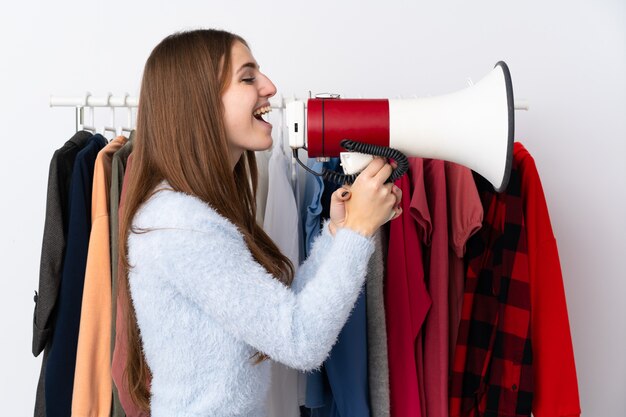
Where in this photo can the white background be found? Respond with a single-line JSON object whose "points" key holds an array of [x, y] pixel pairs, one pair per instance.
{"points": [[566, 57]]}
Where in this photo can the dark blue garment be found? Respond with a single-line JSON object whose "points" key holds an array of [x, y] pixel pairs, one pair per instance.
{"points": [[312, 208], [59, 379], [53, 253], [341, 388], [318, 394]]}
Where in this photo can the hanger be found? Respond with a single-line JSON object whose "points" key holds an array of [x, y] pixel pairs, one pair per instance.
{"points": [[128, 128], [82, 125], [111, 128]]}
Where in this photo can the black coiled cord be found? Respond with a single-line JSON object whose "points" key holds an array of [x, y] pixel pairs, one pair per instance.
{"points": [[367, 148]]}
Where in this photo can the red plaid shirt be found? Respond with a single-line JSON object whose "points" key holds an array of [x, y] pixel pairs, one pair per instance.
{"points": [[508, 362]]}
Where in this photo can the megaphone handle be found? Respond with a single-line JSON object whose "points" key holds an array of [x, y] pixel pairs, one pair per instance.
{"points": [[337, 177], [353, 146]]}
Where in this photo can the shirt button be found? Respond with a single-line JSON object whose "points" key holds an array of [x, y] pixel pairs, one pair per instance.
{"points": [[514, 387]]}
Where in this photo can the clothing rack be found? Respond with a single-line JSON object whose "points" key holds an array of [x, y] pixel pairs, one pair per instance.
{"points": [[277, 102], [126, 101]]}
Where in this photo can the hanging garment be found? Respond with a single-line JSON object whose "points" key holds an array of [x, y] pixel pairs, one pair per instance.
{"points": [[554, 368], [423, 221], [262, 162], [311, 216], [298, 192], [465, 217], [492, 369], [92, 375], [317, 394], [59, 377], [345, 390], [301, 180], [346, 367], [514, 352], [205, 307], [436, 350], [378, 364], [53, 252], [406, 303], [118, 168], [120, 352], [281, 224]]}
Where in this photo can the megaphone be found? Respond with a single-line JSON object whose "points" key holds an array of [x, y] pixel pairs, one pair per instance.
{"points": [[473, 127]]}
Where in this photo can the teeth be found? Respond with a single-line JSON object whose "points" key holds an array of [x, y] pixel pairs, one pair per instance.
{"points": [[262, 110]]}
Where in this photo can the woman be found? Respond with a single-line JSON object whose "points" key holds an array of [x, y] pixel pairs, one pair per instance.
{"points": [[212, 296]]}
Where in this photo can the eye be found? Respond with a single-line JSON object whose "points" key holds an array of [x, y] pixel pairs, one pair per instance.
{"points": [[249, 80]]}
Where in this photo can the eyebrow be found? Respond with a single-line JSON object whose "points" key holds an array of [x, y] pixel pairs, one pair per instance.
{"points": [[249, 65]]}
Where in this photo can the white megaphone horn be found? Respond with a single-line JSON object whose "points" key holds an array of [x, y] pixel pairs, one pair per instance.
{"points": [[473, 127]]}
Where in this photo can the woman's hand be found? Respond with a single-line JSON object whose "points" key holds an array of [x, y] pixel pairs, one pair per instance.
{"points": [[368, 203], [338, 208]]}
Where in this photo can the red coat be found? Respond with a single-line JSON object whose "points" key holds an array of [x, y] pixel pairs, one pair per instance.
{"points": [[554, 370]]}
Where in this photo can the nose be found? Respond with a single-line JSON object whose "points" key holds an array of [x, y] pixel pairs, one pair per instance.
{"points": [[268, 89]]}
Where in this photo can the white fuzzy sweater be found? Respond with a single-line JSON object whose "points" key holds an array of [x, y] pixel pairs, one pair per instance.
{"points": [[205, 306]]}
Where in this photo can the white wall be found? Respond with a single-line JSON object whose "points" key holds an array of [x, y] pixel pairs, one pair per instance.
{"points": [[566, 57]]}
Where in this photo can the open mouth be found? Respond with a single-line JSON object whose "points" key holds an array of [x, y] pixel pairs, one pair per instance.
{"points": [[260, 118], [259, 113]]}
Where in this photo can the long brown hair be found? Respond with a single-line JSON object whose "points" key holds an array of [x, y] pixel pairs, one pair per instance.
{"points": [[181, 138]]}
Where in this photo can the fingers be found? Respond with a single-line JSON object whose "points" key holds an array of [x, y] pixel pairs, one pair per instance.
{"points": [[373, 167], [397, 213], [397, 192], [384, 173], [397, 207], [341, 194], [389, 196]]}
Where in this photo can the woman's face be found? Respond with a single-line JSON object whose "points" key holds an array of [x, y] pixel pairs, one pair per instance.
{"points": [[249, 91]]}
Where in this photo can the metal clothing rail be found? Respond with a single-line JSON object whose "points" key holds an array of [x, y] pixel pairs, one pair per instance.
{"points": [[109, 100], [126, 101]]}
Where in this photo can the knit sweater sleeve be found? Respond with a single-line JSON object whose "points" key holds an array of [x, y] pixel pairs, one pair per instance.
{"points": [[319, 248], [213, 269]]}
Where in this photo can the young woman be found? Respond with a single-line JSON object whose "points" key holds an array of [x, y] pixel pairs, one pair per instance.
{"points": [[212, 296]]}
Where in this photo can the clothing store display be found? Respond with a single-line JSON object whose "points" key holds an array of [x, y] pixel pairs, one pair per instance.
{"points": [[92, 375], [454, 309], [59, 377], [52, 253]]}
